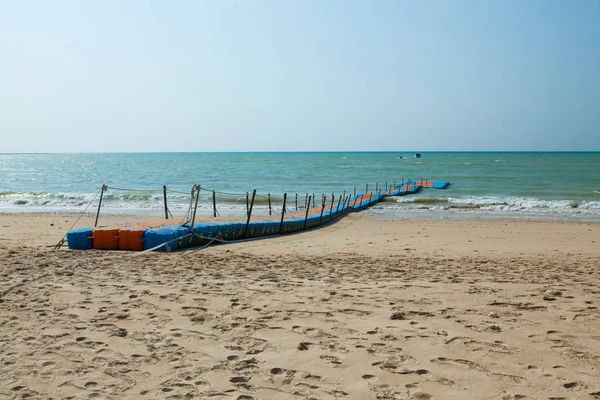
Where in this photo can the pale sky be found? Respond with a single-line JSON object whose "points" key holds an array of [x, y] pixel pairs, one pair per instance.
{"points": [[103, 76]]}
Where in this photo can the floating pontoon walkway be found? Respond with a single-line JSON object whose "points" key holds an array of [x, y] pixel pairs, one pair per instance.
{"points": [[164, 236]]}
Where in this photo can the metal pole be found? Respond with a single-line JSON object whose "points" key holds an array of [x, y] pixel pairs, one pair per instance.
{"points": [[282, 213], [165, 201], [249, 213], [322, 209], [214, 204], [331, 208], [270, 212], [197, 187], [306, 214], [99, 204]]}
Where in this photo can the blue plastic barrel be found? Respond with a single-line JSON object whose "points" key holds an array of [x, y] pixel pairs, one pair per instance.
{"points": [[155, 237], [80, 239]]}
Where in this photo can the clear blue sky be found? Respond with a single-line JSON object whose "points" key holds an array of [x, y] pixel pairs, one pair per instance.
{"points": [[81, 76]]}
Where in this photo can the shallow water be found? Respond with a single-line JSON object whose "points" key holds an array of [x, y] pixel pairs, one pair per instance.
{"points": [[511, 184]]}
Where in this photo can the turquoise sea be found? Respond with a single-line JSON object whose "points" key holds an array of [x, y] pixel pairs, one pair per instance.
{"points": [[562, 185]]}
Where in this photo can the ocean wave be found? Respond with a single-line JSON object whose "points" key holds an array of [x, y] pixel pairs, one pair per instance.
{"points": [[133, 202], [502, 204]]}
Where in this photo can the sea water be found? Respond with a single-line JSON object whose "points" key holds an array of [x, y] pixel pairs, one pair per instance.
{"points": [[506, 184]]}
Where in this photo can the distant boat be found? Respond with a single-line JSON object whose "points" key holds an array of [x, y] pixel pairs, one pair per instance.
{"points": [[417, 155]]}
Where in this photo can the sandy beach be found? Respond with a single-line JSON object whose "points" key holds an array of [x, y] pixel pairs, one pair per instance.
{"points": [[361, 309]]}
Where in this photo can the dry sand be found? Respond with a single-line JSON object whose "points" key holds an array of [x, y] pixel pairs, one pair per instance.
{"points": [[361, 309]]}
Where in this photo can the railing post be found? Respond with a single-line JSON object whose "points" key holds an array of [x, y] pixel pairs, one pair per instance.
{"points": [[270, 212], [282, 213], [165, 201], [247, 203], [99, 204], [249, 214], [197, 187], [306, 214], [214, 204], [331, 208], [322, 209]]}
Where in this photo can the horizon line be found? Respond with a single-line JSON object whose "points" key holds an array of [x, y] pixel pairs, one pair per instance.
{"points": [[305, 151]]}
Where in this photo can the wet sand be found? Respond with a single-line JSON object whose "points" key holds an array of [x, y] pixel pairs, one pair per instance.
{"points": [[361, 309]]}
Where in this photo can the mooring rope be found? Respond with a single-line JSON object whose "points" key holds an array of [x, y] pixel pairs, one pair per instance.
{"points": [[62, 241], [134, 190]]}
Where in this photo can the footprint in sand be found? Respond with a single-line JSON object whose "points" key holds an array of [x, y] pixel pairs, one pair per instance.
{"points": [[331, 359], [572, 385], [303, 346], [460, 362]]}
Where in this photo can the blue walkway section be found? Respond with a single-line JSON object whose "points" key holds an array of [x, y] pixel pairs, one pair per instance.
{"points": [[170, 237]]}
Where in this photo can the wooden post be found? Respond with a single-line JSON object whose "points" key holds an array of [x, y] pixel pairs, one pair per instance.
{"points": [[165, 201], [386, 186], [367, 188], [354, 191], [337, 210], [282, 213], [313, 200], [214, 204], [249, 214], [270, 212], [322, 209], [306, 201], [99, 204], [376, 187], [247, 203], [306, 215], [296, 201]]}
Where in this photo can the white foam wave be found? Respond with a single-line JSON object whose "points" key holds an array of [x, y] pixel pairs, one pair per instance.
{"points": [[515, 204]]}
